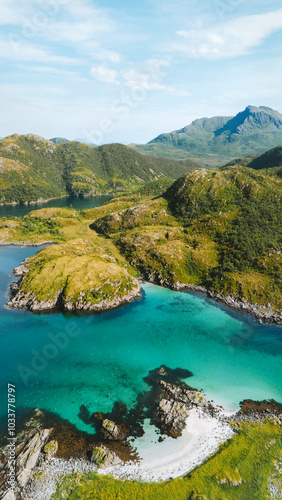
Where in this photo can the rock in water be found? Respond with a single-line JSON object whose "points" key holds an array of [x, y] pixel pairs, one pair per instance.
{"points": [[174, 405], [103, 457], [113, 431]]}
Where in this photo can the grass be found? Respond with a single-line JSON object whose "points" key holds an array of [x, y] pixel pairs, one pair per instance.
{"points": [[78, 271], [240, 470], [217, 229]]}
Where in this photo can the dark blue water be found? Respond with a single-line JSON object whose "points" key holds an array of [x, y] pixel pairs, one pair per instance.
{"points": [[59, 362], [66, 201]]}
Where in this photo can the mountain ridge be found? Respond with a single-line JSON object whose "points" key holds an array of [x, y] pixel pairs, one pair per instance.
{"points": [[33, 168], [219, 139]]}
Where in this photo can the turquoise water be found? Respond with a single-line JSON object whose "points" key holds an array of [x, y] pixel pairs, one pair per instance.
{"points": [[103, 358], [66, 201]]}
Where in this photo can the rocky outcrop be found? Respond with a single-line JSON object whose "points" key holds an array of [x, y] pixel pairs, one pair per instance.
{"points": [[171, 417], [28, 457], [174, 405], [27, 449], [21, 299], [103, 457], [113, 431], [253, 411], [50, 449]]}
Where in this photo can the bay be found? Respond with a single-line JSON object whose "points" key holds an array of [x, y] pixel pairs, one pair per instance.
{"points": [[60, 361]]}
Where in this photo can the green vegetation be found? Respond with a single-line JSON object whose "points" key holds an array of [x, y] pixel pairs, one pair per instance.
{"points": [[32, 168], [241, 469], [78, 275], [220, 230], [219, 139], [50, 447]]}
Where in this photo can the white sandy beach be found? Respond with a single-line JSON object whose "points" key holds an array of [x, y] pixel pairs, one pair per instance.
{"points": [[174, 457]]}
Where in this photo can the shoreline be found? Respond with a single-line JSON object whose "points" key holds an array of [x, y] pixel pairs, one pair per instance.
{"points": [[165, 460], [41, 202], [265, 316], [154, 458], [173, 458], [31, 203]]}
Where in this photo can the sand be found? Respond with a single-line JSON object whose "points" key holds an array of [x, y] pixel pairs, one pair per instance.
{"points": [[174, 457]]}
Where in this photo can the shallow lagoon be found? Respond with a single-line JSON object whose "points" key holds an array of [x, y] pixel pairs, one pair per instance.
{"points": [[97, 360]]}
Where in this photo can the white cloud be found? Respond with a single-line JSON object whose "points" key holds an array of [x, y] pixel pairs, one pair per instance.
{"points": [[104, 74], [14, 48], [49, 70], [74, 23], [230, 39], [108, 55], [135, 80], [150, 77]]}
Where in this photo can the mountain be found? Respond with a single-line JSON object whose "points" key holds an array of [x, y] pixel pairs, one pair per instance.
{"points": [[59, 140], [33, 168], [270, 159], [220, 139], [84, 141], [62, 140]]}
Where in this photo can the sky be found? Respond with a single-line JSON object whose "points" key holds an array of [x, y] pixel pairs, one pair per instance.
{"points": [[126, 71]]}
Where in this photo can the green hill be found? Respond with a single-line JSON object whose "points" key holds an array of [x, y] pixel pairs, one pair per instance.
{"points": [[270, 159], [219, 229], [33, 168], [59, 140], [220, 139]]}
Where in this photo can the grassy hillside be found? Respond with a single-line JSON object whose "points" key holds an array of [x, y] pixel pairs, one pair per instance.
{"points": [[217, 140], [33, 168], [242, 469], [270, 159], [217, 229]]}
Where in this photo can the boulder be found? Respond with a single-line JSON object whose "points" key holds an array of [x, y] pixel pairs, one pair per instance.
{"points": [[113, 431], [103, 457], [50, 449]]}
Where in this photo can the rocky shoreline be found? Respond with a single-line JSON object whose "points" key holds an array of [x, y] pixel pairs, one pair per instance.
{"points": [[37, 202], [28, 301], [47, 449], [264, 314], [20, 300], [22, 244]]}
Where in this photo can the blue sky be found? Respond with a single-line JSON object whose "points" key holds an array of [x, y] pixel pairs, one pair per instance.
{"points": [[125, 71]]}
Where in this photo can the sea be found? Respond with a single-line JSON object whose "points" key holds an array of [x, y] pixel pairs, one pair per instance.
{"points": [[58, 362]]}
